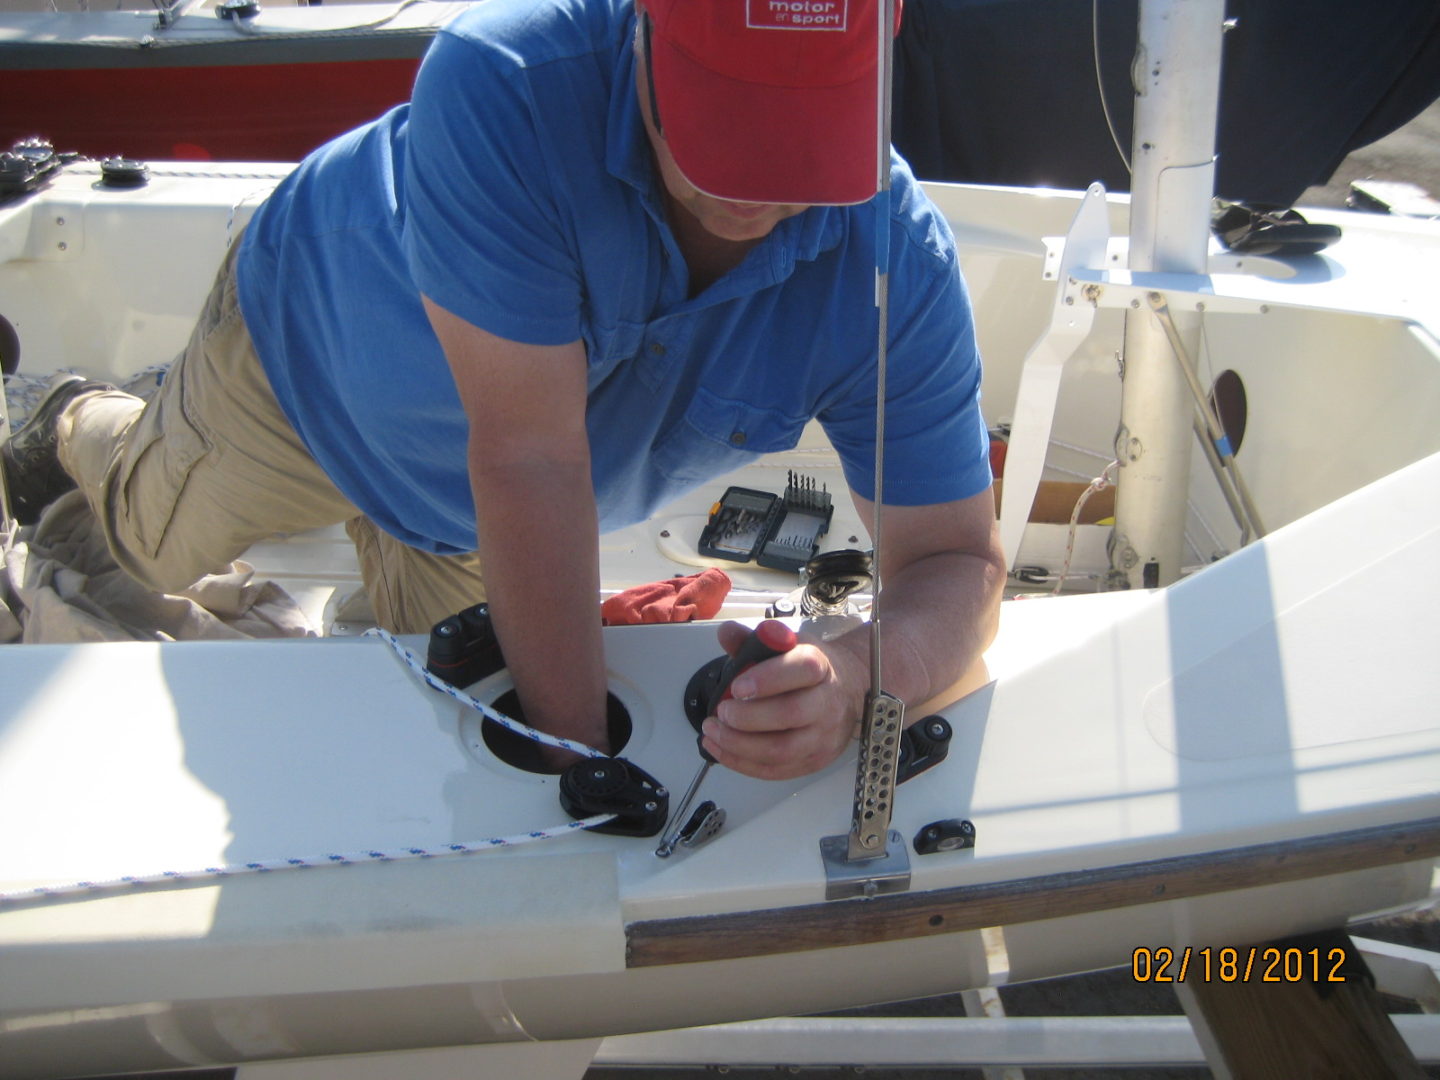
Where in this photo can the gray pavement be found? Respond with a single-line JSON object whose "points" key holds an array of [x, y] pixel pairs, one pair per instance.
{"points": [[1411, 155]]}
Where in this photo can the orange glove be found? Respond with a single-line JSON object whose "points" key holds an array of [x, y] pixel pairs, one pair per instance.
{"points": [[677, 599]]}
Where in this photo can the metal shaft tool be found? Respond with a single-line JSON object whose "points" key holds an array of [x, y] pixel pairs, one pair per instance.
{"points": [[884, 717], [769, 639], [677, 823]]}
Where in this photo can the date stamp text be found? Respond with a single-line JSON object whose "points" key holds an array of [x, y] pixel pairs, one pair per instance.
{"points": [[1250, 963]]}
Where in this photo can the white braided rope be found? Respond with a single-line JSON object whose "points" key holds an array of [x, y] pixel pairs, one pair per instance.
{"points": [[265, 866], [192, 170], [1100, 483], [413, 663], [312, 862]]}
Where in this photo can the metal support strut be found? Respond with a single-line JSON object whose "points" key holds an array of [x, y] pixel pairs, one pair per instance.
{"points": [[1211, 431], [1177, 82]]}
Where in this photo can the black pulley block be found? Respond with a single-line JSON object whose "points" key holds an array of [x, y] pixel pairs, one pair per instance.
{"points": [[831, 577], [123, 172], [615, 786]]}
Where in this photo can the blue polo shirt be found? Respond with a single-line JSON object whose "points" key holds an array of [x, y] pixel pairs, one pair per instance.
{"points": [[516, 190]]}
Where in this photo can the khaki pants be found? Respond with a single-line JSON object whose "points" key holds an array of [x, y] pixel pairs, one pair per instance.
{"points": [[186, 483]]}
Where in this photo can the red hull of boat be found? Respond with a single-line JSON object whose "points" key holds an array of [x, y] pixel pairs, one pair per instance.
{"points": [[242, 112]]}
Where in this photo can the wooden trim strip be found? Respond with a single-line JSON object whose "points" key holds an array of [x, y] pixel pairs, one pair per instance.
{"points": [[899, 916]]}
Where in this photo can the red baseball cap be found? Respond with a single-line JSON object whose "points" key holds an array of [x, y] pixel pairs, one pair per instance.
{"points": [[770, 101]]}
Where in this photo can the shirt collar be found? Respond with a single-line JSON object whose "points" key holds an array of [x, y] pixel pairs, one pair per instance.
{"points": [[627, 150]]}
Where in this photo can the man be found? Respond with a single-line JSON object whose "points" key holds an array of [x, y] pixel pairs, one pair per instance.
{"points": [[611, 250]]}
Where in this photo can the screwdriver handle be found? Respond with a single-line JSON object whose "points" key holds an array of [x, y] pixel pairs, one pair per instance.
{"points": [[769, 639]]}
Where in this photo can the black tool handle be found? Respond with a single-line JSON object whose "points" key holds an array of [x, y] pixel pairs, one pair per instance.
{"points": [[769, 639]]}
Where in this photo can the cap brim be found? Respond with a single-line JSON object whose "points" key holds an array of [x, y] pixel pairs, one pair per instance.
{"points": [[768, 144]]}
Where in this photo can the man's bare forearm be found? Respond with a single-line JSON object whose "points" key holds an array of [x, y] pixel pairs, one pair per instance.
{"points": [[940, 607], [536, 531], [538, 542], [938, 615]]}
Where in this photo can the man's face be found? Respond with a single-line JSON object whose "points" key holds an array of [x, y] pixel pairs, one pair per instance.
{"points": [[736, 221], [722, 218]]}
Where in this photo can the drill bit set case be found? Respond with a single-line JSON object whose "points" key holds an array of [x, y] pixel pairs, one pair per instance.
{"points": [[778, 532]]}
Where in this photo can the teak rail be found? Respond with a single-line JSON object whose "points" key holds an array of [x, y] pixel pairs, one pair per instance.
{"points": [[897, 917]]}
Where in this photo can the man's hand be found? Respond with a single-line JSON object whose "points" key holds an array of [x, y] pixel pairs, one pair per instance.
{"points": [[790, 715], [943, 574]]}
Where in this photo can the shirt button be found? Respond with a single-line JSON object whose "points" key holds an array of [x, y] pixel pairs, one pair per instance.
{"points": [[737, 438], [657, 349]]}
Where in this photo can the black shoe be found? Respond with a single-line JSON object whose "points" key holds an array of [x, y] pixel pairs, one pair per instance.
{"points": [[33, 476], [1258, 231]]}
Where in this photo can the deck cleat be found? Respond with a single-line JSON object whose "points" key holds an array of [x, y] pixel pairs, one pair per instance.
{"points": [[463, 648], [923, 745]]}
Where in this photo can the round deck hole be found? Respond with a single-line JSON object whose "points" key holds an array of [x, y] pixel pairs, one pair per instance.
{"points": [[522, 753], [1228, 399]]}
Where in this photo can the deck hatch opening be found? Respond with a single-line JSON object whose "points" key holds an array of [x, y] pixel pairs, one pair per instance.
{"points": [[1228, 399], [524, 754]]}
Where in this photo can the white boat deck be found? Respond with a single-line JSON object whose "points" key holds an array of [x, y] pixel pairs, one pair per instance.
{"points": [[1281, 695]]}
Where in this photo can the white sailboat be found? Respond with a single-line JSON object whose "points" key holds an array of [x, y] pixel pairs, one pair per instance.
{"points": [[1242, 745]]}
